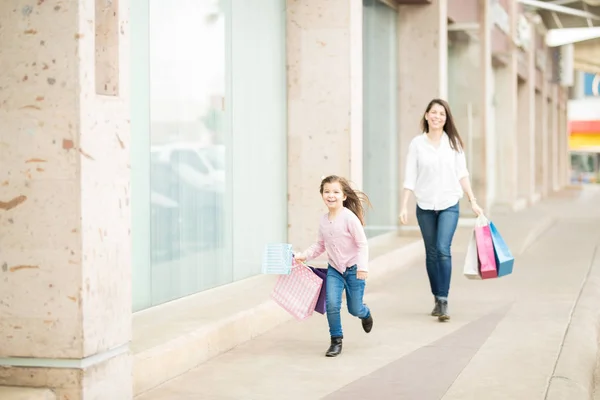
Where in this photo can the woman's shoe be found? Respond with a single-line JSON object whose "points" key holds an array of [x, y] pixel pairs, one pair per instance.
{"points": [[443, 311], [335, 348], [436, 312]]}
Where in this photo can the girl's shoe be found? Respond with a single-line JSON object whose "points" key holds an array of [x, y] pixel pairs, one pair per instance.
{"points": [[335, 348], [443, 311], [436, 312], [367, 323]]}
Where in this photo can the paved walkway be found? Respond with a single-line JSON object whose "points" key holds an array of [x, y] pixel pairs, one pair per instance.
{"points": [[502, 342]]}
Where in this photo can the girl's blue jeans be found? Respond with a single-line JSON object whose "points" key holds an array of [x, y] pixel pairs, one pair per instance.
{"points": [[437, 228], [355, 289]]}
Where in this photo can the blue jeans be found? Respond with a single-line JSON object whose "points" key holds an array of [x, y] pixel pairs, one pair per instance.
{"points": [[355, 288], [437, 228]]}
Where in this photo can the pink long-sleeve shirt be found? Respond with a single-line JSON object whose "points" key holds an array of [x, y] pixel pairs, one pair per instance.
{"points": [[344, 240]]}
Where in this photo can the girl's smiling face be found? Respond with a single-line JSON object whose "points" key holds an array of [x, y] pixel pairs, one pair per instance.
{"points": [[333, 196]]}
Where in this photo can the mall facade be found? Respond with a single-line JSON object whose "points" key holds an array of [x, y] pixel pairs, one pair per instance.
{"points": [[149, 150]]}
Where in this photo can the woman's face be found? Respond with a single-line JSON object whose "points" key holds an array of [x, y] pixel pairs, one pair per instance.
{"points": [[436, 117]]}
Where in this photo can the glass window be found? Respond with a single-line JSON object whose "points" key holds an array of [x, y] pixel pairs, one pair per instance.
{"points": [[380, 130], [216, 138]]}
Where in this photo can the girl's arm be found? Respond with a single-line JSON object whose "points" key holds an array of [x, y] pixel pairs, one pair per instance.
{"points": [[313, 251], [360, 239]]}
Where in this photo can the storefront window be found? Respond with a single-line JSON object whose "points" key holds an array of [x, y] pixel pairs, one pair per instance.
{"points": [[380, 130], [216, 138]]}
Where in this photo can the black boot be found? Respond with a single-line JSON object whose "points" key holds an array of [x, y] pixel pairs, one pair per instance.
{"points": [[335, 348], [437, 309], [367, 323], [443, 311]]}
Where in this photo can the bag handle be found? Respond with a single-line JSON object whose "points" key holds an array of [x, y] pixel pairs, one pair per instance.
{"points": [[481, 221], [296, 264]]}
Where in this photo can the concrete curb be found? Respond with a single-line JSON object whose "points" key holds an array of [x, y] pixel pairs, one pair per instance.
{"points": [[573, 375], [23, 393], [159, 364], [546, 223]]}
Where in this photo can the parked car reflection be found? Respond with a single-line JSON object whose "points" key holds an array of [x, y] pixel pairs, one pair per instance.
{"points": [[188, 215]]}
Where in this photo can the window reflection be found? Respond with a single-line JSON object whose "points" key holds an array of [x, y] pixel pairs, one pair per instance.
{"points": [[188, 166]]}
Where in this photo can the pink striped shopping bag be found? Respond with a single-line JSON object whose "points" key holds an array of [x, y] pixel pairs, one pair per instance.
{"points": [[297, 293]]}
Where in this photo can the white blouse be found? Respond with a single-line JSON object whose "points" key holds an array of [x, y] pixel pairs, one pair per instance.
{"points": [[433, 174]]}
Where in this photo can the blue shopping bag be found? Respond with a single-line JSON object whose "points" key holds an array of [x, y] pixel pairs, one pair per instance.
{"points": [[504, 258], [277, 259]]}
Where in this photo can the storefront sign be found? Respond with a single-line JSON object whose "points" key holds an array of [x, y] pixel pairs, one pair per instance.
{"points": [[500, 17], [524, 33], [563, 71], [540, 60], [592, 84]]}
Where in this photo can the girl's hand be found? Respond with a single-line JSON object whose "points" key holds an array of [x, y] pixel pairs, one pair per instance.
{"points": [[404, 216], [362, 275], [300, 257], [476, 209]]}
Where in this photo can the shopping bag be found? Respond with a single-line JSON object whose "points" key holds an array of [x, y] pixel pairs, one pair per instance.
{"points": [[471, 269], [485, 249], [503, 256], [320, 306], [298, 292], [277, 259]]}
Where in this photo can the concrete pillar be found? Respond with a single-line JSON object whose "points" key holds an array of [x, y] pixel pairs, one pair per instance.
{"points": [[506, 125], [541, 126], [324, 57], [526, 141], [553, 137], [422, 54], [470, 93], [547, 188], [65, 287], [564, 174]]}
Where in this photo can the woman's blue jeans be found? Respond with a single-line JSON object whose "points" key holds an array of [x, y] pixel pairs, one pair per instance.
{"points": [[355, 289], [437, 228]]}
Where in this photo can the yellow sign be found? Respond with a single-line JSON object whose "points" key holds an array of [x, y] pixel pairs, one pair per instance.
{"points": [[585, 141]]}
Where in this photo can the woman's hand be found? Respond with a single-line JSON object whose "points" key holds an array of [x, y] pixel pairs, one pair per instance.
{"points": [[404, 216], [476, 209], [362, 275]]}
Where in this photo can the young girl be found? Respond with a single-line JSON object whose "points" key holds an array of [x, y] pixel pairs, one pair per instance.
{"points": [[436, 172], [341, 234]]}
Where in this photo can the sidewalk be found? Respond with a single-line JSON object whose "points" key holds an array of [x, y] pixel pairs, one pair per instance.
{"points": [[502, 342]]}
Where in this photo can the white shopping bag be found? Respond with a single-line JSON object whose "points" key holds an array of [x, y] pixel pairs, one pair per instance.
{"points": [[471, 269]]}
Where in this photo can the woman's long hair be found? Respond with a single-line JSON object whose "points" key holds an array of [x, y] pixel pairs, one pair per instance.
{"points": [[354, 198], [449, 127]]}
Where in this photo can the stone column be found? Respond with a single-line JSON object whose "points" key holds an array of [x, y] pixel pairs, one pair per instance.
{"points": [[541, 126], [554, 132], [564, 174], [324, 57], [506, 125], [548, 137], [526, 141], [65, 287], [423, 55]]}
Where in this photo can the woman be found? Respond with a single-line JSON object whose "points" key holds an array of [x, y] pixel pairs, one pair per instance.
{"points": [[436, 172]]}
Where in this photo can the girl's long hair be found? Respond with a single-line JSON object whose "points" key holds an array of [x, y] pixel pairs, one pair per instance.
{"points": [[355, 199], [449, 127]]}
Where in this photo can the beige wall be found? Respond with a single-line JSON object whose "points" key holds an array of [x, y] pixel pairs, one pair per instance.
{"points": [[65, 215]]}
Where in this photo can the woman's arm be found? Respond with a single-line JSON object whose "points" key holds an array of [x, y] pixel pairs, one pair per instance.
{"points": [[410, 180], [463, 178]]}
